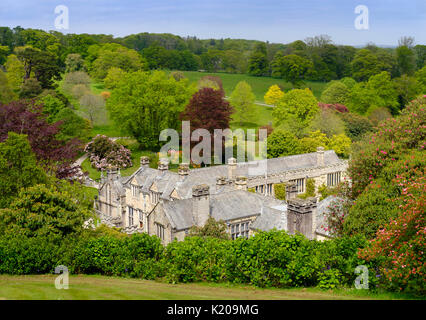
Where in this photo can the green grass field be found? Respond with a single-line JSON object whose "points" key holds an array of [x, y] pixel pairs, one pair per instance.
{"points": [[260, 85], [83, 287]]}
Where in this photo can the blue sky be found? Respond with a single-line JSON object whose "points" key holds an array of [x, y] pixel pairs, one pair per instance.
{"points": [[268, 20]]}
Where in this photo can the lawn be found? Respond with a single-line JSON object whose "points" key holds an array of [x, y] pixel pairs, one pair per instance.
{"points": [[260, 85], [106, 288]]}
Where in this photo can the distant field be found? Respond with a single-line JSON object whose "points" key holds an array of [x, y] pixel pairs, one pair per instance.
{"points": [[81, 287], [260, 85]]}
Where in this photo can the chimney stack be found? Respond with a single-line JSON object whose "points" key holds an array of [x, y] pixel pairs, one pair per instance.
{"points": [[183, 169], [290, 190], [301, 215], [221, 181], [320, 156], [232, 165], [163, 165], [112, 174], [144, 161], [201, 204], [241, 183]]}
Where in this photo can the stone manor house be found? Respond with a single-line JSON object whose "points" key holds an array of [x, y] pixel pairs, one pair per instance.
{"points": [[167, 204]]}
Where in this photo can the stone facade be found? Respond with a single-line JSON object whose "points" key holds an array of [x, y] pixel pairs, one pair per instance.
{"points": [[164, 203]]}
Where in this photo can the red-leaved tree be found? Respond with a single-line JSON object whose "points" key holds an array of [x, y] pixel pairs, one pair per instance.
{"points": [[25, 117]]}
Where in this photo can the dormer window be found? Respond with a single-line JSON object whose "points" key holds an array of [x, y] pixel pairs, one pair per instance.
{"points": [[134, 190]]}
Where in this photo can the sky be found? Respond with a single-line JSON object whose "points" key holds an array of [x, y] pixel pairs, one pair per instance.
{"points": [[277, 21]]}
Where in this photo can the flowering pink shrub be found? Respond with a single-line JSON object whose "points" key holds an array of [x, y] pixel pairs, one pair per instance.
{"points": [[104, 153]]}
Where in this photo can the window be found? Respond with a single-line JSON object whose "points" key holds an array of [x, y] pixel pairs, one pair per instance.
{"points": [[160, 231], [239, 230], [131, 216], [145, 200], [154, 197], [333, 179], [300, 185], [134, 190], [269, 188]]}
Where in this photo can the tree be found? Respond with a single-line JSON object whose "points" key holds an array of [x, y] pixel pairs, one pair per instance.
{"points": [[208, 109], [242, 99], [407, 89], [14, 72], [4, 50], [111, 55], [71, 125], [30, 88], [54, 210], [327, 121], [335, 92], [144, 104], [258, 61], [6, 93], [94, 106], [421, 78], [25, 117], [18, 167], [406, 60], [312, 141], [341, 144], [379, 91], [292, 68], [212, 228], [42, 64], [273, 95], [282, 143], [75, 78], [51, 106], [213, 82], [74, 62], [297, 108], [364, 65], [356, 126], [113, 77]]}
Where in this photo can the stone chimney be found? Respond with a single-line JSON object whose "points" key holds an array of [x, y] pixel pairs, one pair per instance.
{"points": [[241, 183], [221, 181], [163, 165], [112, 174], [290, 190], [183, 169], [144, 161], [232, 165], [201, 204], [320, 156], [301, 216]]}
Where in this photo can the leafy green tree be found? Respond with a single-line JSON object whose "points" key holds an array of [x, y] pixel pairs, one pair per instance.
{"points": [[51, 106], [327, 121], [421, 78], [242, 99], [379, 91], [407, 89], [72, 125], [15, 72], [114, 55], [18, 167], [94, 106], [6, 93], [4, 50], [144, 104], [273, 95], [113, 77], [30, 88], [212, 228], [55, 210], [356, 126], [282, 143], [297, 107], [292, 68], [420, 51], [341, 144], [335, 92], [41, 63], [365, 64], [258, 61], [406, 60], [74, 62], [312, 141]]}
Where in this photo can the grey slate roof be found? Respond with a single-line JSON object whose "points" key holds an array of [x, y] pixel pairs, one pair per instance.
{"points": [[225, 206], [271, 218]]}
